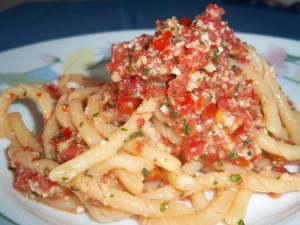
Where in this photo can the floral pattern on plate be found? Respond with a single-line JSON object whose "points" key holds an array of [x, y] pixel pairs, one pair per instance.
{"points": [[286, 65], [80, 61]]}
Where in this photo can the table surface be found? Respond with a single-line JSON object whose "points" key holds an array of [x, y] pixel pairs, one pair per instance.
{"points": [[30, 23]]}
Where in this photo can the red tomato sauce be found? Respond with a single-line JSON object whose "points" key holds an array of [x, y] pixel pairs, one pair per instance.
{"points": [[185, 66]]}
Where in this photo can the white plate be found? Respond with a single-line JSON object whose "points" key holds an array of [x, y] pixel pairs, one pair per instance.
{"points": [[45, 61]]}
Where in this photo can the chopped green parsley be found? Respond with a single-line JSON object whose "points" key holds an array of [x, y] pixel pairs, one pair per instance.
{"points": [[235, 178], [164, 206]]}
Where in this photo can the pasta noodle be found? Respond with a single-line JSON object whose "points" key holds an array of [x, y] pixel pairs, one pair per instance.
{"points": [[190, 110]]}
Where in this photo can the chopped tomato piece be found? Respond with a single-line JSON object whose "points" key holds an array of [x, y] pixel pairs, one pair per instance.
{"points": [[274, 195], [61, 135], [22, 181], [140, 122], [73, 150], [44, 182], [162, 41], [53, 90], [153, 175], [187, 103], [209, 111], [193, 150], [241, 161], [127, 104], [185, 21], [139, 146]]}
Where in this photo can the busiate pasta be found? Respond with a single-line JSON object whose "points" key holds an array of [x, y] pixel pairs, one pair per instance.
{"points": [[190, 109]]}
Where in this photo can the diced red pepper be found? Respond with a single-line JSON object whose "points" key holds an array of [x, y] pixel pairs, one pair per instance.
{"points": [[162, 41]]}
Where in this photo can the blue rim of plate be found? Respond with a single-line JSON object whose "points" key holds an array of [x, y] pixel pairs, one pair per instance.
{"points": [[6, 219]]}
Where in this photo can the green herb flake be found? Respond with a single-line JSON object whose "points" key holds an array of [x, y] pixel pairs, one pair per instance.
{"points": [[59, 135], [11, 168], [174, 113], [25, 93], [81, 124], [246, 142], [235, 178], [74, 188], [215, 182], [123, 129], [95, 115], [216, 52], [131, 68], [232, 155], [211, 129], [64, 178], [204, 158], [201, 43], [186, 129], [47, 170], [219, 162], [241, 222], [146, 71], [133, 136], [181, 195], [270, 134], [112, 195], [145, 172], [164, 206]]}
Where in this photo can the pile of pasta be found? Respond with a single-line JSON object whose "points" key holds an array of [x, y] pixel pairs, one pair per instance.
{"points": [[90, 159]]}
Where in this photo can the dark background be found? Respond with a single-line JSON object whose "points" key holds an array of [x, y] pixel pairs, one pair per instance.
{"points": [[37, 21]]}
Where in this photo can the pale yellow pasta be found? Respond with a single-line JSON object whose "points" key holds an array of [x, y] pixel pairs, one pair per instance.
{"points": [[246, 180], [62, 112], [50, 129], [133, 182], [24, 136], [33, 161], [98, 117], [269, 107], [167, 192], [130, 163], [63, 81], [68, 203], [18, 92], [199, 200], [152, 136], [269, 144], [155, 155], [124, 201], [106, 214], [239, 208], [191, 168], [213, 214], [167, 132], [79, 119], [287, 115], [179, 179], [104, 150]]}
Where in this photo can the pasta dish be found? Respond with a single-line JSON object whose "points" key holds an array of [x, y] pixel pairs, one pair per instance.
{"points": [[189, 110]]}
